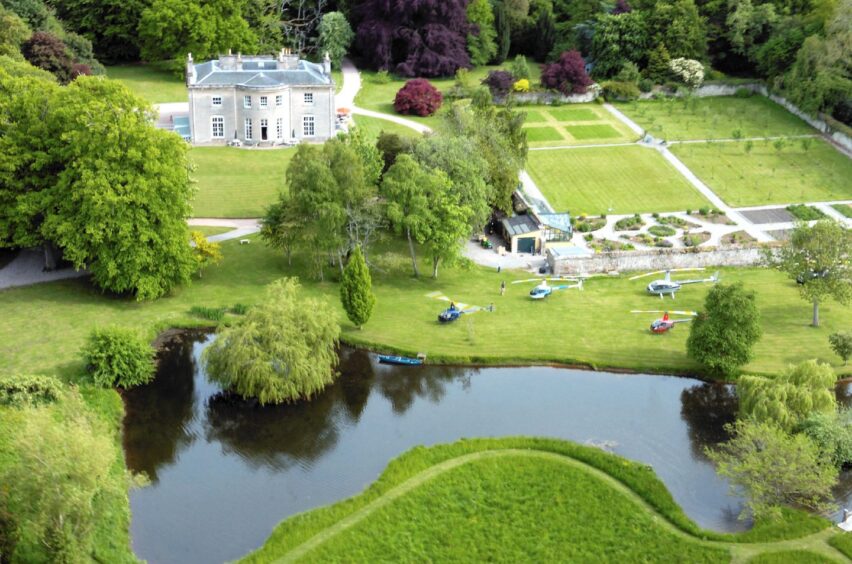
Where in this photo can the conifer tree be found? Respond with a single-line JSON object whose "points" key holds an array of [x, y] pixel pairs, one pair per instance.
{"points": [[356, 289]]}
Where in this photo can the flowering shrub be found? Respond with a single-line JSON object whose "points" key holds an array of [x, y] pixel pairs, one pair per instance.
{"points": [[568, 74], [522, 85], [689, 71], [418, 97]]}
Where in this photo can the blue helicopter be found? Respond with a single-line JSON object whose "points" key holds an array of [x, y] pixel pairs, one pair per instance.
{"points": [[543, 289], [456, 309]]}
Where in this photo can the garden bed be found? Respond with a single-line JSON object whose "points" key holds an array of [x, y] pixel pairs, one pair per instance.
{"points": [[805, 213], [737, 238], [695, 239]]}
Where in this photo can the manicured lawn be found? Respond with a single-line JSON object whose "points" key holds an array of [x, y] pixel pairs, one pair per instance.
{"points": [[573, 125], [616, 180], [150, 82], [585, 132], [379, 97], [535, 134], [518, 499], [844, 209], [714, 118], [237, 182], [209, 231], [566, 327], [374, 126], [769, 176]]}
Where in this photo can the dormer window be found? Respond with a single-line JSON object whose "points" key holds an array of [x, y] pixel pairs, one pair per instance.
{"points": [[247, 102]]}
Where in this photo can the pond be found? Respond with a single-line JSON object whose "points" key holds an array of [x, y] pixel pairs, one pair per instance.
{"points": [[224, 472]]}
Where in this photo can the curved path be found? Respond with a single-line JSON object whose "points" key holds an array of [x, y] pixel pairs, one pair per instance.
{"points": [[740, 552]]}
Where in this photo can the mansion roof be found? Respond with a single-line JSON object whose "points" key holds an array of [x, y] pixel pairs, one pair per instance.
{"points": [[260, 72]]}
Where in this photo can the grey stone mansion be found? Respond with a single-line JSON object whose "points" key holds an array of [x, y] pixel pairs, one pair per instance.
{"points": [[260, 100]]}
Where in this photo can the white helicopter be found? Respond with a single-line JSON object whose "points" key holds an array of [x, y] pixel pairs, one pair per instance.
{"points": [[543, 289], [669, 286]]}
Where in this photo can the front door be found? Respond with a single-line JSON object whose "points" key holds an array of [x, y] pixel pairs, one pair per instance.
{"points": [[264, 130], [263, 134]]}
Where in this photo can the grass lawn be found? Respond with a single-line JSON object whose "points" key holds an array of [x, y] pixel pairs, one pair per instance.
{"points": [[536, 134], [237, 182], [769, 176], [519, 330], [844, 209], [519, 499], [150, 82], [714, 118], [374, 126], [615, 180], [209, 231], [549, 126]]}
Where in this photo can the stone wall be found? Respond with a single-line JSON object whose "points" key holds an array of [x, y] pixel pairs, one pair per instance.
{"points": [[523, 98], [656, 259]]}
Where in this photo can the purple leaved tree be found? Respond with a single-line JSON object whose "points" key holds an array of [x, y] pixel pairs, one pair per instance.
{"points": [[418, 97], [499, 82], [413, 37], [568, 74]]}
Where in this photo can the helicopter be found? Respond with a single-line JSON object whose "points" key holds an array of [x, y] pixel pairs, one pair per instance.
{"points": [[669, 286], [456, 309], [543, 289], [665, 323]]}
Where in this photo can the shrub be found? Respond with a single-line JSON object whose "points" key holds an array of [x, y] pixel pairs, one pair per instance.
{"points": [[116, 356], [620, 91], [743, 93], [523, 85], [805, 213], [629, 73], [211, 313], [567, 75], [19, 390], [832, 433], [646, 85], [520, 69], [841, 344], [382, 77], [499, 82], [418, 97], [661, 230], [704, 210], [662, 243]]}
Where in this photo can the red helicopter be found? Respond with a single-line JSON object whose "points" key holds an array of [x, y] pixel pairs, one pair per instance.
{"points": [[665, 323]]}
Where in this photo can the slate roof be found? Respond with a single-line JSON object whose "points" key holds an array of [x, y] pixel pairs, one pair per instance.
{"points": [[519, 225], [260, 72]]}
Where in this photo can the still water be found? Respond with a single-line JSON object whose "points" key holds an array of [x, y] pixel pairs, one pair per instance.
{"points": [[224, 473]]}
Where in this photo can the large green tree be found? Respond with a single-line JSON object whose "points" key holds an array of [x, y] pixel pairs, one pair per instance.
{"points": [[335, 36], [482, 45], [789, 398], [724, 333], [678, 25], [109, 24], [59, 468], [774, 469], [282, 350], [618, 39], [408, 188], [13, 32], [819, 258], [356, 289], [169, 29], [85, 171]]}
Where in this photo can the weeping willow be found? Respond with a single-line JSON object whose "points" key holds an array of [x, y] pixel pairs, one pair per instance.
{"points": [[283, 350]]}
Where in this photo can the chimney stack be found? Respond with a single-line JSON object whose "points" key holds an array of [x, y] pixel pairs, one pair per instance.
{"points": [[326, 64], [190, 70]]}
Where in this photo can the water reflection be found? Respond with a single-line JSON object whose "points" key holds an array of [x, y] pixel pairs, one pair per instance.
{"points": [[157, 416], [227, 471], [706, 409]]}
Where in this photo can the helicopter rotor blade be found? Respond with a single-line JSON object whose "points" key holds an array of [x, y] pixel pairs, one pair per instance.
{"points": [[527, 280], [638, 276]]}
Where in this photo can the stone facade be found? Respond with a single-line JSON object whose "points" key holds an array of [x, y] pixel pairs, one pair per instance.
{"points": [[260, 100]]}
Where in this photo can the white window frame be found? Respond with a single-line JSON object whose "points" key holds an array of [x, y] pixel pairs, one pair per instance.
{"points": [[279, 128], [279, 100], [309, 121], [216, 101], [220, 121], [264, 102], [247, 129], [247, 102], [308, 98]]}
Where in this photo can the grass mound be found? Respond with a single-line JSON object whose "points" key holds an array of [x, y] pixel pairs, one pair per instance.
{"points": [[511, 499]]}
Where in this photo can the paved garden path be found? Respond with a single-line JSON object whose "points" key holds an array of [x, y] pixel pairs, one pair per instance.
{"points": [[740, 552], [241, 227]]}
